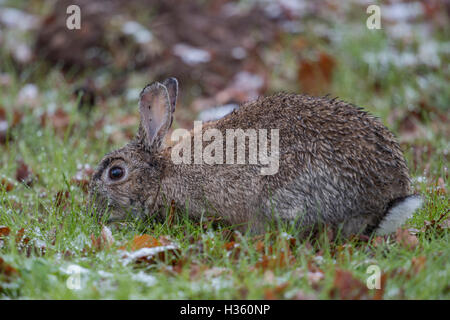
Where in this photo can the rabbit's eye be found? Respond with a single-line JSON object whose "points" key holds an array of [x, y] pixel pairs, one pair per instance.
{"points": [[115, 173]]}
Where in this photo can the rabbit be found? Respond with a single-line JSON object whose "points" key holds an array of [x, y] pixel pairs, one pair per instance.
{"points": [[338, 166]]}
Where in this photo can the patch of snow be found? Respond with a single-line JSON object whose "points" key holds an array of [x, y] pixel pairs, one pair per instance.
{"points": [[3, 125], [22, 53], [318, 259], [17, 19], [215, 285], [216, 112], [71, 268], [146, 252], [191, 55], [137, 31], [402, 11], [427, 55], [28, 94], [144, 278], [133, 94], [420, 179], [285, 235], [238, 53]]}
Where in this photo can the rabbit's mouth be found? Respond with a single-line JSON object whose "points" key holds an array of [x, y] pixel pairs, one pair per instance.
{"points": [[108, 211]]}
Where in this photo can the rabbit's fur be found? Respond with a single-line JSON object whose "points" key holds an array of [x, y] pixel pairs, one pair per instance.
{"points": [[338, 166]]}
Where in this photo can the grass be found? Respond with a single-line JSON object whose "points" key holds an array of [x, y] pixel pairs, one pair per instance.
{"points": [[206, 265]]}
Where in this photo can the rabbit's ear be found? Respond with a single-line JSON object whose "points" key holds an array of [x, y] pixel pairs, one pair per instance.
{"points": [[156, 114], [171, 85]]}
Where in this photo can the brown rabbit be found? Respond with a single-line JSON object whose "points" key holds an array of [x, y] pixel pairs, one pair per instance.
{"points": [[337, 165]]}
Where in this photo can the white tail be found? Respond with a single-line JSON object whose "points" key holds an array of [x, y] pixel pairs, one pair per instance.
{"points": [[398, 214]]}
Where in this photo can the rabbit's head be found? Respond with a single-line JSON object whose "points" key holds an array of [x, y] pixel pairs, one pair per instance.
{"points": [[126, 183]]}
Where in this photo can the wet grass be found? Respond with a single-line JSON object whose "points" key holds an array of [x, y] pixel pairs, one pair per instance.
{"points": [[207, 264]]}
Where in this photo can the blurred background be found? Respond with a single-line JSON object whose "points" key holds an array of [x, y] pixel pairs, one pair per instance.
{"points": [[226, 52]]}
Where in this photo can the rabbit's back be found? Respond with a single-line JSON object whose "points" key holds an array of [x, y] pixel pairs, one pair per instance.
{"points": [[337, 163]]}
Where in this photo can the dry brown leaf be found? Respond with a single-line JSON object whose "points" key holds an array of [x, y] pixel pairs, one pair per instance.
{"points": [[61, 199], [5, 184], [271, 262], [107, 236], [230, 246], [276, 292], [406, 239], [4, 231], [418, 263], [28, 246], [21, 238], [144, 241], [24, 174], [104, 241], [7, 270], [441, 186], [377, 241], [315, 76], [347, 287]]}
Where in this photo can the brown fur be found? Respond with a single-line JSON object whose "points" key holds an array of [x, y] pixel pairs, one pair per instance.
{"points": [[338, 166]]}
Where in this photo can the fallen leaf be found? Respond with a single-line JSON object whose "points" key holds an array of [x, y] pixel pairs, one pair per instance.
{"points": [[279, 260], [406, 239], [418, 263], [4, 231], [107, 236], [276, 292], [104, 241], [260, 246], [151, 255], [441, 186], [347, 287], [61, 199], [234, 249], [5, 184], [315, 76], [7, 270], [24, 174], [21, 239], [148, 249], [144, 241], [377, 241], [28, 246]]}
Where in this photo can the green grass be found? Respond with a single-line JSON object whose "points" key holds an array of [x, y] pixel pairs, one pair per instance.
{"points": [[204, 267]]}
